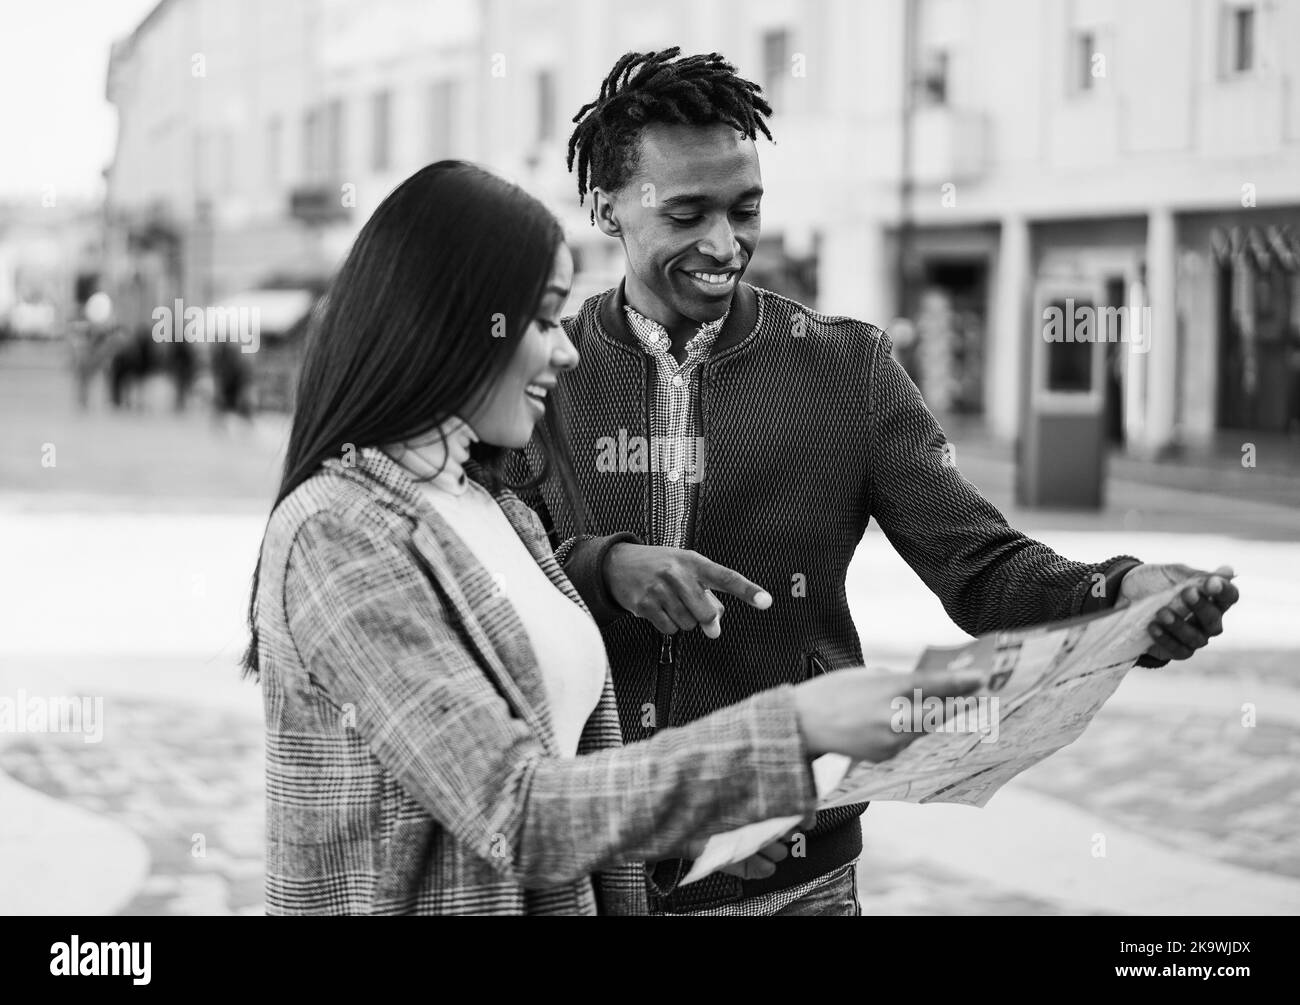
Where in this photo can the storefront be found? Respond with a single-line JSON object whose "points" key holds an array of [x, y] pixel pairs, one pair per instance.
{"points": [[1254, 263], [947, 301], [1104, 261]]}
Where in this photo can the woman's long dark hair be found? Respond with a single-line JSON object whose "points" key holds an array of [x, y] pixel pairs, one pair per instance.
{"points": [[426, 311]]}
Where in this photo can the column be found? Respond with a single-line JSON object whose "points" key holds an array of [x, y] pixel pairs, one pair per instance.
{"points": [[853, 275], [1162, 361], [1008, 344]]}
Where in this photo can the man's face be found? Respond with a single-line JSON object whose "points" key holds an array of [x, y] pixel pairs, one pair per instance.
{"points": [[688, 219]]}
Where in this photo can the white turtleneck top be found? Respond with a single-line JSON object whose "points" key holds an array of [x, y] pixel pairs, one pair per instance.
{"points": [[568, 647]]}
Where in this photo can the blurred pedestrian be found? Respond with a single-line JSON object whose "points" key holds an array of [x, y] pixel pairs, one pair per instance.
{"points": [[89, 337], [232, 382], [130, 349], [181, 366], [130, 360]]}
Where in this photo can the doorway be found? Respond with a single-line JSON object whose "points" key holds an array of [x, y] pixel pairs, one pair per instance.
{"points": [[951, 311], [1115, 362]]}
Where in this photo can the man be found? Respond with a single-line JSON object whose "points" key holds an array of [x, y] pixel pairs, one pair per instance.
{"points": [[714, 427]]}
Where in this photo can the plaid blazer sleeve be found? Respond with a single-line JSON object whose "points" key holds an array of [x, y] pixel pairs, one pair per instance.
{"points": [[372, 631], [989, 576]]}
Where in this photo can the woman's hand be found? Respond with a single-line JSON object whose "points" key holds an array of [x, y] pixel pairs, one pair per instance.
{"points": [[866, 715], [862, 714]]}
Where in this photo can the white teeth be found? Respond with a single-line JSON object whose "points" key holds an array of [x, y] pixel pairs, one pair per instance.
{"points": [[536, 390], [713, 278]]}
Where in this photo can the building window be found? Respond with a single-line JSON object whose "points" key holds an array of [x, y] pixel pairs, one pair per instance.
{"points": [[1258, 324], [334, 140], [1069, 364], [202, 164], [776, 66], [312, 169], [225, 141], [274, 129], [1243, 39], [545, 106], [442, 125], [932, 77], [1238, 38], [381, 111], [1085, 47]]}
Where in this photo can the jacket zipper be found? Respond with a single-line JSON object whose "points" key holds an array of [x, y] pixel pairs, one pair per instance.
{"points": [[816, 665], [667, 647], [663, 696], [688, 528], [664, 683]]}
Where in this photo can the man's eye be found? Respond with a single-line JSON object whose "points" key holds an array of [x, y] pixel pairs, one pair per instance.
{"points": [[545, 325], [747, 214], [685, 221]]}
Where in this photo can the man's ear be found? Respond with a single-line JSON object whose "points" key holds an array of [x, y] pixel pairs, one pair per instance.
{"points": [[606, 218]]}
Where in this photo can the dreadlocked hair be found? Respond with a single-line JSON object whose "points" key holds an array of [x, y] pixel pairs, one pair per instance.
{"points": [[646, 87]]}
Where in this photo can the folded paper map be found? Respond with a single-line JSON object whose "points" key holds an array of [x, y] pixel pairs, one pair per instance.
{"points": [[1041, 687]]}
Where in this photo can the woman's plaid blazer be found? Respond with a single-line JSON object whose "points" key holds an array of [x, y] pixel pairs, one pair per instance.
{"points": [[411, 766]]}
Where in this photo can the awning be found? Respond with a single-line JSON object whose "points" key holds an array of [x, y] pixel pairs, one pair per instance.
{"points": [[277, 310]]}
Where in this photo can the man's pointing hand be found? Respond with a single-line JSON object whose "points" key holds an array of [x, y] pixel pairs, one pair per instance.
{"points": [[673, 588]]}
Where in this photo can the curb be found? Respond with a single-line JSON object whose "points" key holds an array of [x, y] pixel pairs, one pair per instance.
{"points": [[1032, 844], [59, 859]]}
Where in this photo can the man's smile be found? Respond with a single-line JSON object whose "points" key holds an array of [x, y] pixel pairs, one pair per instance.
{"points": [[713, 282]]}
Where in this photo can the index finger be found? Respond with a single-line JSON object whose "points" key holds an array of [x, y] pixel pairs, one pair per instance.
{"points": [[942, 683], [719, 577], [933, 692]]}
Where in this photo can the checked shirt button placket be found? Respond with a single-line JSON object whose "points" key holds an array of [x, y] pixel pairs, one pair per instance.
{"points": [[676, 433]]}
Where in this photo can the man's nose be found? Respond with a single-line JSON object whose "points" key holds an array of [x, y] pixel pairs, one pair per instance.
{"points": [[720, 242]]}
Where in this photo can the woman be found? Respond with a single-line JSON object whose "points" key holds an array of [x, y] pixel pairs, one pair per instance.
{"points": [[441, 728]]}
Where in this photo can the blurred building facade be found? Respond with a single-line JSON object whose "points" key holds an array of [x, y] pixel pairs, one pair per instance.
{"points": [[50, 258], [198, 194], [1146, 155], [937, 164]]}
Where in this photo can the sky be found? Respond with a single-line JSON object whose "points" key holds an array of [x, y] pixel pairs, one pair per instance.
{"points": [[56, 126]]}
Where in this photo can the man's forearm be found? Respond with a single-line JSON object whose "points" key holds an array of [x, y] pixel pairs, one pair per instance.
{"points": [[583, 559]]}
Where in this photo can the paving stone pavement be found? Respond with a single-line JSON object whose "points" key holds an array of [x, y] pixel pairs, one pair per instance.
{"points": [[174, 775], [1205, 784], [187, 780], [889, 884], [1275, 667]]}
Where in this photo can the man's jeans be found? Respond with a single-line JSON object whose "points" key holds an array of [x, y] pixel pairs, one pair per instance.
{"points": [[837, 897]]}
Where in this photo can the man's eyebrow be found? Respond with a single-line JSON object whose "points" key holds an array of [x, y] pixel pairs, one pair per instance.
{"points": [[695, 198], [559, 291]]}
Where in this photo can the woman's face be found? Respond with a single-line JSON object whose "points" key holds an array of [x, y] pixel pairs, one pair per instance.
{"points": [[518, 398]]}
